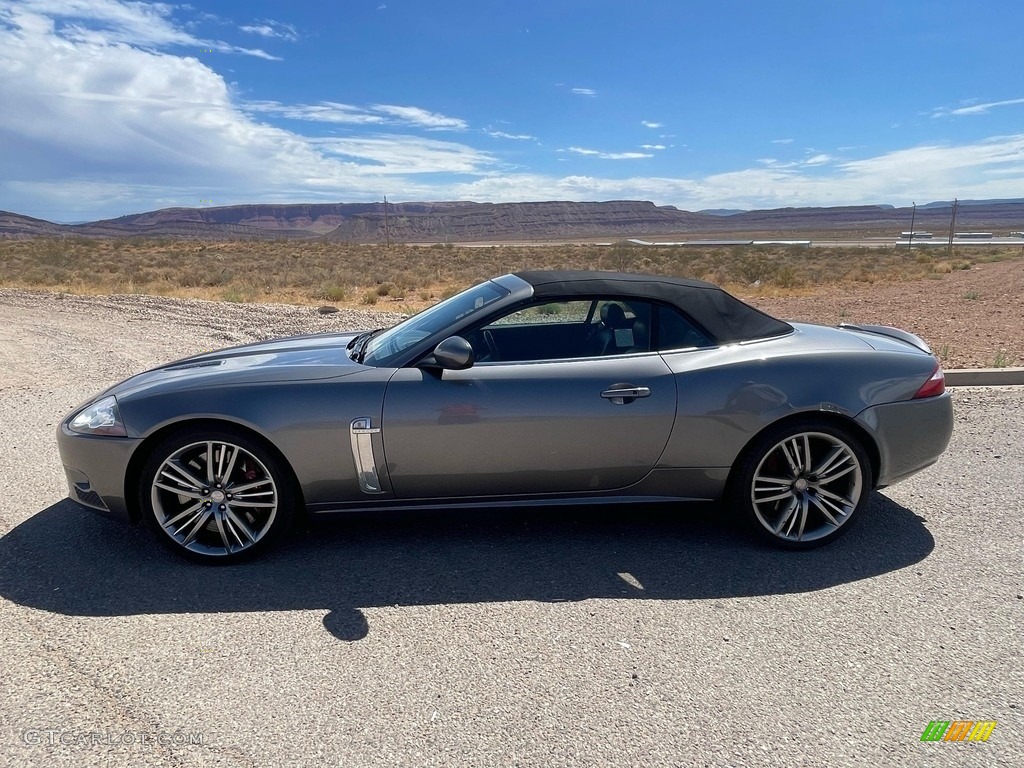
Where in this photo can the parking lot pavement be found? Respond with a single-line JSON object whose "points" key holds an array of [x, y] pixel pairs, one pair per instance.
{"points": [[642, 636]]}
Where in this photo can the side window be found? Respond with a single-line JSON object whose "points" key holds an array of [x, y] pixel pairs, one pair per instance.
{"points": [[620, 326], [549, 331], [566, 330], [550, 313], [676, 332]]}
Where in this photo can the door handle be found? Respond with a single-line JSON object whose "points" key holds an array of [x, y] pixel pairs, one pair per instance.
{"points": [[622, 394]]}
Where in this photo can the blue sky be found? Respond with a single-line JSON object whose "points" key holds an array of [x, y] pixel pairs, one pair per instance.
{"points": [[113, 107]]}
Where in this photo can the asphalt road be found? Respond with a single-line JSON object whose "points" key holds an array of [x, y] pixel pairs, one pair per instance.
{"points": [[653, 636]]}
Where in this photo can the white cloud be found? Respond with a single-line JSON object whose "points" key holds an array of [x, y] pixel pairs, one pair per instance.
{"points": [[975, 109], [379, 114], [773, 162], [107, 22], [514, 136], [782, 141], [130, 128], [271, 28], [421, 117], [609, 155], [929, 162], [652, 146], [584, 91], [395, 154], [810, 162], [992, 168], [933, 172], [651, 124], [324, 112]]}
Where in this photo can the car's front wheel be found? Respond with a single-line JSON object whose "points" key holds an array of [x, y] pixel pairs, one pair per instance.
{"points": [[801, 485], [216, 496]]}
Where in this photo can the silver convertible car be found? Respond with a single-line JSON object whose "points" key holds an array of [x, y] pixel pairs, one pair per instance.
{"points": [[531, 388]]}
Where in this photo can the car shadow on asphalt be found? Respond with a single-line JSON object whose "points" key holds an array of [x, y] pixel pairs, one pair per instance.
{"points": [[69, 561]]}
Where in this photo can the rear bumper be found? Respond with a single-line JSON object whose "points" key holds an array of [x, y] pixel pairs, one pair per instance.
{"points": [[910, 435]]}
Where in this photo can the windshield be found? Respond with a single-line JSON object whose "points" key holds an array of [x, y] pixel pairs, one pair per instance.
{"points": [[384, 347]]}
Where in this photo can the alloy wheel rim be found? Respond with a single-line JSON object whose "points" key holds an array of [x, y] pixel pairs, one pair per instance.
{"points": [[214, 498], [807, 486]]}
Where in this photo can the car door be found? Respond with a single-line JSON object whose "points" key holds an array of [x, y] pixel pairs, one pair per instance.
{"points": [[570, 424]]}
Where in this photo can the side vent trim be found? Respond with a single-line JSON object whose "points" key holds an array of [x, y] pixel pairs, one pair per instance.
{"points": [[361, 431]]}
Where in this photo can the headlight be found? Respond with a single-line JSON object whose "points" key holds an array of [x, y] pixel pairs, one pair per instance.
{"points": [[100, 418]]}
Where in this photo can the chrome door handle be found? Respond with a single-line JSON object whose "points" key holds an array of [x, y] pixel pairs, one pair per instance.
{"points": [[622, 394]]}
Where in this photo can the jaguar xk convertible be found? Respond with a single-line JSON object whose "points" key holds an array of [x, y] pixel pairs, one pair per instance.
{"points": [[532, 388]]}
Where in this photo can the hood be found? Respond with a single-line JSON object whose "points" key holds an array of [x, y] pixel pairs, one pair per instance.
{"points": [[298, 358]]}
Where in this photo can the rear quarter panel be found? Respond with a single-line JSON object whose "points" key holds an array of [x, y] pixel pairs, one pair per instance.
{"points": [[728, 394]]}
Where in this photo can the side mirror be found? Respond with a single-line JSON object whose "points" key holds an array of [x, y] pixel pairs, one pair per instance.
{"points": [[454, 354]]}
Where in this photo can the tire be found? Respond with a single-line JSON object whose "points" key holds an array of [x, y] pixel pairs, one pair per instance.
{"points": [[225, 511], [794, 503]]}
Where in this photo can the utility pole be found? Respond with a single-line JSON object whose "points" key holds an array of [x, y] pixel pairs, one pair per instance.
{"points": [[952, 227], [913, 214], [387, 232]]}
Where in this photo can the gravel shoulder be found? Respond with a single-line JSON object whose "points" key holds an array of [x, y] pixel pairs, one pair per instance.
{"points": [[134, 332]]}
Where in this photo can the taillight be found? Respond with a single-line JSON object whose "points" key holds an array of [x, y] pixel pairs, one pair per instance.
{"points": [[935, 385]]}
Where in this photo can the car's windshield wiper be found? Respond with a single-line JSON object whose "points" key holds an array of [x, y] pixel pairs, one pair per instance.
{"points": [[356, 339], [360, 342]]}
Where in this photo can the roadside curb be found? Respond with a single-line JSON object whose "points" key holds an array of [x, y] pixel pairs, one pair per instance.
{"points": [[985, 377]]}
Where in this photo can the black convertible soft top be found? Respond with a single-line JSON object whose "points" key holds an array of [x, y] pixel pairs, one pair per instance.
{"points": [[722, 315]]}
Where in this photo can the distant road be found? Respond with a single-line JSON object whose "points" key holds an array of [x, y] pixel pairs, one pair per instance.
{"points": [[875, 242], [654, 241]]}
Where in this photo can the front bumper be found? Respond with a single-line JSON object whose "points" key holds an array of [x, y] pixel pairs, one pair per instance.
{"points": [[95, 467], [910, 435]]}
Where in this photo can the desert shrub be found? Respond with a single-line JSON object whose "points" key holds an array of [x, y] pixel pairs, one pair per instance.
{"points": [[370, 297], [752, 268], [786, 277], [311, 271], [238, 295], [622, 258], [331, 292], [862, 275]]}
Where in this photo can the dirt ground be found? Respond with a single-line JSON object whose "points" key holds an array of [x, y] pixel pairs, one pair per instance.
{"points": [[971, 318]]}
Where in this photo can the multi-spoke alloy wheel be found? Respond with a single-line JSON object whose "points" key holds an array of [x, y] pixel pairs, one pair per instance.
{"points": [[214, 497], [802, 485]]}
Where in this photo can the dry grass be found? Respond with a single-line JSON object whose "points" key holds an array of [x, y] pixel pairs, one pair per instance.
{"points": [[410, 277]]}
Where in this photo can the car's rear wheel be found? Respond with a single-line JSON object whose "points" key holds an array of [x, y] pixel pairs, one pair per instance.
{"points": [[802, 484], [216, 496]]}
